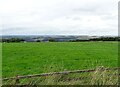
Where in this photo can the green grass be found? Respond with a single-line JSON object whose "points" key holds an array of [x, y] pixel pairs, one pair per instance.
{"points": [[35, 58]]}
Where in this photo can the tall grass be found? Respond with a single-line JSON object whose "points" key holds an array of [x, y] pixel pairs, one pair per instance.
{"points": [[99, 77]]}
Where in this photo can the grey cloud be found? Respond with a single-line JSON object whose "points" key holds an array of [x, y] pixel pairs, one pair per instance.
{"points": [[84, 9], [59, 17]]}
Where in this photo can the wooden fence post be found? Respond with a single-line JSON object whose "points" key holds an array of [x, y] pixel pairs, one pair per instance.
{"points": [[17, 81]]}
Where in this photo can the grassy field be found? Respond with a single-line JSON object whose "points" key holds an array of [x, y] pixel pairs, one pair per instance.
{"points": [[35, 58]]}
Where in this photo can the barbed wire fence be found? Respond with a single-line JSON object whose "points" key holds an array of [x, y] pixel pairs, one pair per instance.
{"points": [[98, 76]]}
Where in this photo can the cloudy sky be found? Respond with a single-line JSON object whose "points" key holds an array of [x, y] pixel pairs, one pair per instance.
{"points": [[59, 17]]}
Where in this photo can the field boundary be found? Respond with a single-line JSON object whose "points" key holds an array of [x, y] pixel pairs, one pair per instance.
{"points": [[58, 73]]}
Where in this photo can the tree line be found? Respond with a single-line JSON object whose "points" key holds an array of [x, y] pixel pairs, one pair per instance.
{"points": [[54, 40], [12, 40], [106, 39]]}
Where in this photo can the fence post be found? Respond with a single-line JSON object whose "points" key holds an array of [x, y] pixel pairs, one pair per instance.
{"points": [[101, 68], [17, 81]]}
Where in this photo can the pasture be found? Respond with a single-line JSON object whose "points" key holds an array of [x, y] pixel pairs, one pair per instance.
{"points": [[36, 58]]}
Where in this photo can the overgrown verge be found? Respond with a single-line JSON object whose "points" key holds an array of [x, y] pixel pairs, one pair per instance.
{"points": [[98, 76]]}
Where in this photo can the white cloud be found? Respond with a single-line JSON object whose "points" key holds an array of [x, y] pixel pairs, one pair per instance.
{"points": [[93, 17]]}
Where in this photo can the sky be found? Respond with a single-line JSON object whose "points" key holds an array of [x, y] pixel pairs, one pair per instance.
{"points": [[59, 17]]}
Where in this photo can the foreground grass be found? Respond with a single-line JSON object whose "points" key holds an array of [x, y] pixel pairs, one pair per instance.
{"points": [[98, 77], [35, 58]]}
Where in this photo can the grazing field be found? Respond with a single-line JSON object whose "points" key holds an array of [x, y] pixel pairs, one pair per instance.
{"points": [[36, 58]]}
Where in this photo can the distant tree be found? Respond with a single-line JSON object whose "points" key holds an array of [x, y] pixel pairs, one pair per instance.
{"points": [[38, 41], [52, 40], [0, 39]]}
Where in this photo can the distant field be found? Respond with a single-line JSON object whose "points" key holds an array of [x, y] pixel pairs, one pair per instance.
{"points": [[35, 58]]}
